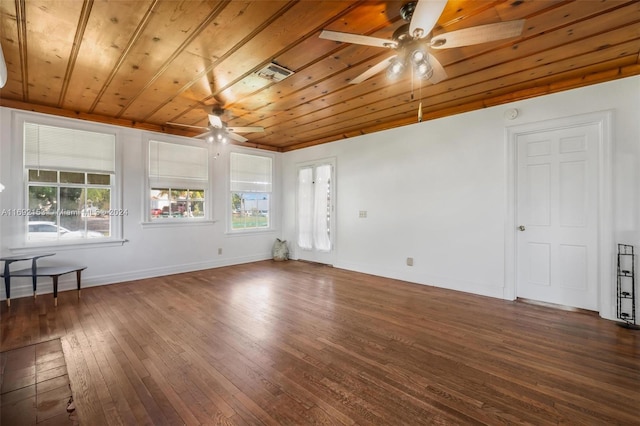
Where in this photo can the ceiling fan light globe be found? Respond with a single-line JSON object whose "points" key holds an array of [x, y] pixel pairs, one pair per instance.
{"points": [[418, 56], [395, 68], [424, 69], [210, 139]]}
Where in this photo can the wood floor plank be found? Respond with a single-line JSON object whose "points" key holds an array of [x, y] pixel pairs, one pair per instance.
{"points": [[119, 399], [300, 344], [84, 389], [122, 379]]}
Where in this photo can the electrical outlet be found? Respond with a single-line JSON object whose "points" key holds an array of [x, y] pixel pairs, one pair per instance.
{"points": [[362, 214], [220, 250], [409, 261]]}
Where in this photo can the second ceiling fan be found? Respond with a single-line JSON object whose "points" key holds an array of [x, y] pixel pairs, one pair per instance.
{"points": [[413, 40], [218, 131]]}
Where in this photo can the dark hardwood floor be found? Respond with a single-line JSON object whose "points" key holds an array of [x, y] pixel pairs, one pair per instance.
{"points": [[295, 343]]}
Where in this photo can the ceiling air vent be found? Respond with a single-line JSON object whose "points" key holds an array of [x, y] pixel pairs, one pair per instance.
{"points": [[274, 72]]}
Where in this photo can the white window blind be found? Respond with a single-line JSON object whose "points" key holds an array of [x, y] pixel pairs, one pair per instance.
{"points": [[250, 173], [170, 161], [48, 147]]}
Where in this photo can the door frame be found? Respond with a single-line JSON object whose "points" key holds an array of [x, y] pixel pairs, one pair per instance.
{"points": [[606, 249]]}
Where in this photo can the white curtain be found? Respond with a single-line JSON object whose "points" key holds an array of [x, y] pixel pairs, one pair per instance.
{"points": [[322, 205], [305, 208], [314, 208]]}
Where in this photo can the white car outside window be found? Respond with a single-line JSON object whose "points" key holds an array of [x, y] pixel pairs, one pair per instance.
{"points": [[47, 231]]}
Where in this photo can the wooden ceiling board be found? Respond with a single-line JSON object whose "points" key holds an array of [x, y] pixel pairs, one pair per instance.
{"points": [[341, 62], [170, 27], [361, 84], [220, 78], [461, 93], [429, 100], [321, 105], [163, 89], [510, 10], [11, 47], [50, 30], [536, 24], [105, 40], [532, 51], [213, 44], [144, 63], [438, 103], [567, 13], [553, 86], [480, 13], [249, 84], [466, 73], [285, 31]]}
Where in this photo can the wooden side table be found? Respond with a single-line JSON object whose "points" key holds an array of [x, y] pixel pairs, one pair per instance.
{"points": [[54, 272]]}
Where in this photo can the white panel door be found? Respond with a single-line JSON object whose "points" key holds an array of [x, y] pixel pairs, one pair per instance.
{"points": [[315, 212], [557, 215]]}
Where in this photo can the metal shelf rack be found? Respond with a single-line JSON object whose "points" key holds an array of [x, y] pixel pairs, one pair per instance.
{"points": [[626, 287]]}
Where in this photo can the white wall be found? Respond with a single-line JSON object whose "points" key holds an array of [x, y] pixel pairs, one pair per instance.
{"points": [[436, 191], [149, 251]]}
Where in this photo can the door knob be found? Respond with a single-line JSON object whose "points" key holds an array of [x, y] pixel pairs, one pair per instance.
{"points": [[521, 227]]}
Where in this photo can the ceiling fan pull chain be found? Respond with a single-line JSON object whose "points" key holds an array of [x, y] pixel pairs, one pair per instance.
{"points": [[420, 104], [412, 88]]}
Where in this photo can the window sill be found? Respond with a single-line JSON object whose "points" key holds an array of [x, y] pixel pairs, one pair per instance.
{"points": [[168, 223], [72, 245], [241, 232]]}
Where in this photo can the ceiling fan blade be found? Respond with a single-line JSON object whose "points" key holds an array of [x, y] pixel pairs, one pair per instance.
{"points": [[357, 39], [477, 35], [438, 70], [425, 16], [215, 121], [249, 129], [236, 137], [373, 70], [3, 69], [185, 125]]}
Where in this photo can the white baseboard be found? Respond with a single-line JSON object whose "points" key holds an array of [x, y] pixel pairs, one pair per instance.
{"points": [[22, 286], [425, 279]]}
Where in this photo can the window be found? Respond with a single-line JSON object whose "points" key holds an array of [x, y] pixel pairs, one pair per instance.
{"points": [[70, 177], [178, 181], [250, 185]]}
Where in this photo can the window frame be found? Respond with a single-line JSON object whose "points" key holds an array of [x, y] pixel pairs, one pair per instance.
{"points": [[207, 218], [116, 220], [59, 185], [272, 195]]}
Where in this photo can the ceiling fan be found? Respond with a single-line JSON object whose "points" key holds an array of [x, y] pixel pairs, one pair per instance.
{"points": [[218, 131], [413, 41]]}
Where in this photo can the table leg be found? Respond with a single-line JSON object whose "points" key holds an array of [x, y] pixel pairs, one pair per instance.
{"points": [[34, 269], [7, 282], [55, 290], [78, 275]]}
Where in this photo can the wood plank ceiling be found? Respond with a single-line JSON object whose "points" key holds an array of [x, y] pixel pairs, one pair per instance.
{"points": [[145, 63]]}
